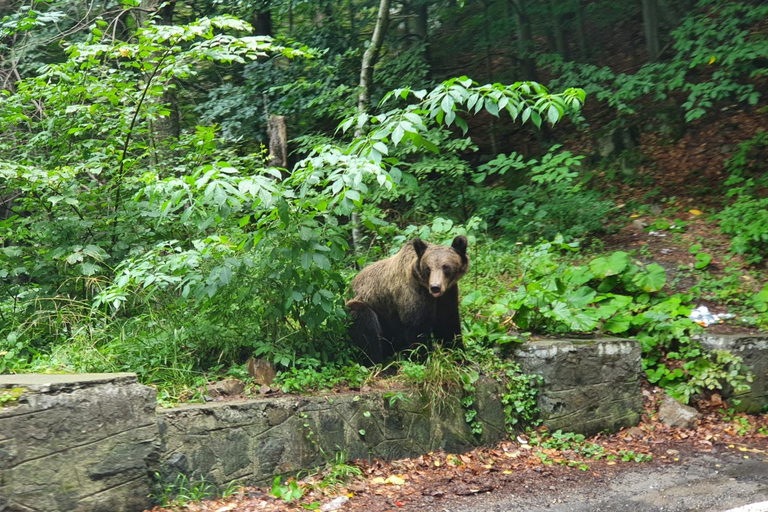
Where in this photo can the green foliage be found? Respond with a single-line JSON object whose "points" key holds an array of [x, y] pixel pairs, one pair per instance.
{"points": [[575, 444], [182, 491], [702, 258], [289, 492], [745, 218], [437, 374], [543, 198], [548, 289], [310, 374], [716, 56], [338, 472], [519, 396], [746, 221], [442, 105]]}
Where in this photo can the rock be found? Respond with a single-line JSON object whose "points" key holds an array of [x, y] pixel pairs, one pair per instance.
{"points": [[675, 414], [264, 389], [262, 371], [227, 387], [616, 140]]}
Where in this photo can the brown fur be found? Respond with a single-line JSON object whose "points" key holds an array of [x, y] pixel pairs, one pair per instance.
{"points": [[408, 298]]}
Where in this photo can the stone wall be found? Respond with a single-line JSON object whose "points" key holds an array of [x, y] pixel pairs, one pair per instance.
{"points": [[83, 443], [754, 351], [255, 440], [587, 385], [93, 442]]}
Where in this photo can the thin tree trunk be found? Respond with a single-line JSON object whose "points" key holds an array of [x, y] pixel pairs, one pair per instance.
{"points": [[524, 39], [370, 56], [561, 44], [581, 37], [651, 28], [364, 95], [352, 24], [489, 70]]}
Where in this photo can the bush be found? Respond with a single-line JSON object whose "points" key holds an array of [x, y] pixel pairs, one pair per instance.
{"points": [[746, 221]]}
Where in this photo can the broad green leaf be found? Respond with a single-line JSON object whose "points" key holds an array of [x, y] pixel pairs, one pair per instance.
{"points": [[613, 265], [702, 260], [651, 279]]}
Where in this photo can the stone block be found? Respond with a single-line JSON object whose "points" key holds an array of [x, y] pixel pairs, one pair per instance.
{"points": [[754, 351], [83, 443], [587, 386]]}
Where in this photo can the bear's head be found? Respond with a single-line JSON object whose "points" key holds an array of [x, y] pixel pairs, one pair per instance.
{"points": [[438, 267]]}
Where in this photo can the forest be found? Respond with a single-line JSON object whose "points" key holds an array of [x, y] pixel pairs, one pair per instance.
{"points": [[191, 184]]}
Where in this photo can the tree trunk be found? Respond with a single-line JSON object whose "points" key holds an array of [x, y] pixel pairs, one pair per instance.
{"points": [[524, 39], [418, 19], [489, 70], [166, 126], [369, 58], [262, 21], [651, 27], [561, 44], [364, 95], [581, 37]]}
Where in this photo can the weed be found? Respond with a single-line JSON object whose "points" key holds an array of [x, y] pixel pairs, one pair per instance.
{"points": [[182, 491], [439, 378], [289, 492], [631, 456], [339, 472]]}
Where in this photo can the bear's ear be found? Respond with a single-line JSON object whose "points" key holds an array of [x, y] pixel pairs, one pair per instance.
{"points": [[419, 246], [460, 246]]}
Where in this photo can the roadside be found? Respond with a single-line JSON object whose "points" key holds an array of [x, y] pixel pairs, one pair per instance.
{"points": [[716, 481], [720, 464]]}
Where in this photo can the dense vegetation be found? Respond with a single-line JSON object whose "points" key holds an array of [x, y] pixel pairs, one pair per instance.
{"points": [[145, 225]]}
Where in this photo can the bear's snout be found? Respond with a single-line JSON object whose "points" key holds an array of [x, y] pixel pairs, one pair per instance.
{"points": [[436, 290]]}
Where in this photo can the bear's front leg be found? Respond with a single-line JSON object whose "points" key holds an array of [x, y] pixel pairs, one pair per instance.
{"points": [[447, 320]]}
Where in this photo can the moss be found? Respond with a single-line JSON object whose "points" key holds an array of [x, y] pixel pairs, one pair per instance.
{"points": [[10, 397]]}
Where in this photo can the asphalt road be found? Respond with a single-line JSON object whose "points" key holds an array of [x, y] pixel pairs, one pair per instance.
{"points": [[711, 482]]}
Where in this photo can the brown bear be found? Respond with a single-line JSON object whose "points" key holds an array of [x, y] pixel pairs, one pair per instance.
{"points": [[409, 298]]}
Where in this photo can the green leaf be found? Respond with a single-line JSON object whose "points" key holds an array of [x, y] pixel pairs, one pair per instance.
{"points": [[553, 115], [617, 325], [651, 279], [613, 265], [491, 107], [321, 260], [702, 260], [397, 134]]}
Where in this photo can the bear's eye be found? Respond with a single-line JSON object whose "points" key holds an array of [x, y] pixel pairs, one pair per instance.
{"points": [[447, 269]]}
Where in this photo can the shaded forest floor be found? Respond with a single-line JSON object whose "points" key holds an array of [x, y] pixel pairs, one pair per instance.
{"points": [[516, 466]]}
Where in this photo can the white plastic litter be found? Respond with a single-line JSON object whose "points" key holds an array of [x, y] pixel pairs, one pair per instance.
{"points": [[334, 504], [702, 316]]}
